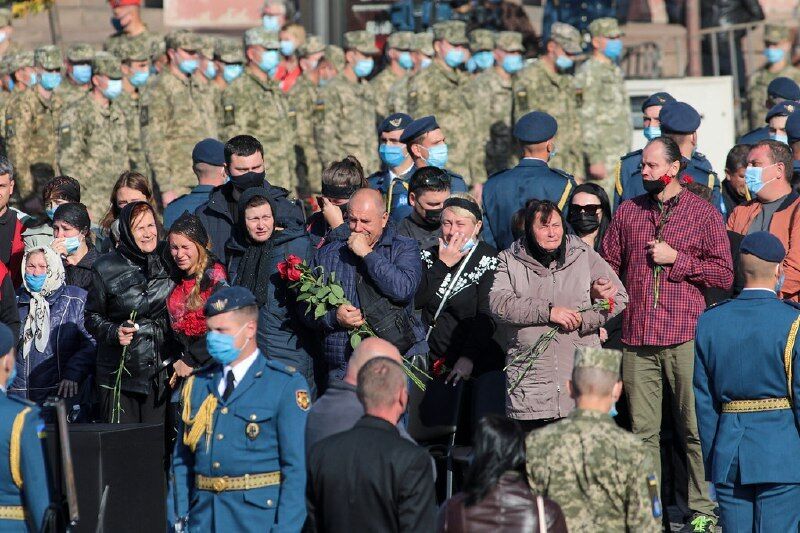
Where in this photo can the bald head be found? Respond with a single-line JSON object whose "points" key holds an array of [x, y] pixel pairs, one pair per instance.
{"points": [[757, 272], [369, 349], [367, 214], [367, 199]]}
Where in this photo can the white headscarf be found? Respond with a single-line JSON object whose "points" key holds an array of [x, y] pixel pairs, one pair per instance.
{"points": [[36, 329]]}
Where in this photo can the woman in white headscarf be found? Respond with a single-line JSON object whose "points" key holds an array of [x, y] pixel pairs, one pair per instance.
{"points": [[55, 353]]}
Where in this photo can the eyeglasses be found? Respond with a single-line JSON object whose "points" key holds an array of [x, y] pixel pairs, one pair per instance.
{"points": [[590, 209]]}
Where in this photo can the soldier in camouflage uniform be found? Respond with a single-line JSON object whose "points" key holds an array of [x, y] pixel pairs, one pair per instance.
{"points": [[547, 85], [127, 21], [422, 54], [93, 136], [78, 73], [210, 75], [598, 473], [481, 46], [7, 46], [229, 57], [31, 123], [344, 113], [302, 97], [492, 100], [777, 49], [255, 105], [176, 113], [135, 76], [399, 65], [441, 90], [604, 104]]}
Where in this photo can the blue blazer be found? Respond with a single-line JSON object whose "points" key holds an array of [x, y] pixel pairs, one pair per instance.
{"points": [[739, 350]]}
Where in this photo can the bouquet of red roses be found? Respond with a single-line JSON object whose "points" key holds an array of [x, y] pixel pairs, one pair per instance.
{"points": [[529, 354], [321, 295]]}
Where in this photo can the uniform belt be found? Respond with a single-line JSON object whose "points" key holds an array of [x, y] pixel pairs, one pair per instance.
{"points": [[12, 512], [754, 406], [245, 482]]}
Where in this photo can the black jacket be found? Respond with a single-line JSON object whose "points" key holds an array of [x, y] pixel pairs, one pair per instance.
{"points": [[80, 275], [369, 478], [119, 286]]}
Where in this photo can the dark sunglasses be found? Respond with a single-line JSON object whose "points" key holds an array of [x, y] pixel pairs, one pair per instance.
{"points": [[590, 209]]}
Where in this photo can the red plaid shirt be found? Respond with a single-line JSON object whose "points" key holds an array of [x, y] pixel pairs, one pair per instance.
{"points": [[696, 230]]}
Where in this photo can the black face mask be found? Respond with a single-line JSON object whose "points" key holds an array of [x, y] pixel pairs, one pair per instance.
{"points": [[653, 187], [343, 209], [583, 223], [433, 217], [248, 179]]}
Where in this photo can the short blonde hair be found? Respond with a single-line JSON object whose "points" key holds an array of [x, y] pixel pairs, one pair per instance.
{"points": [[460, 211]]}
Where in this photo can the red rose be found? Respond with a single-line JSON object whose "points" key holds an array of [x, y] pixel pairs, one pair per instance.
{"points": [[438, 366], [611, 305], [283, 268], [666, 179], [293, 260], [293, 274], [687, 178]]}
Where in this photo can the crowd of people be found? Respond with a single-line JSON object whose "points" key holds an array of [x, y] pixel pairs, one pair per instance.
{"points": [[278, 261]]}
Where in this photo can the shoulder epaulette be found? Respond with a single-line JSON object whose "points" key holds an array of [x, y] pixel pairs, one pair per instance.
{"points": [[26, 403], [563, 173], [286, 369], [635, 152], [796, 305], [717, 304]]}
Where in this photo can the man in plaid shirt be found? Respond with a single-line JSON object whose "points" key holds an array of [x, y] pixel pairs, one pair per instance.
{"points": [[667, 246]]}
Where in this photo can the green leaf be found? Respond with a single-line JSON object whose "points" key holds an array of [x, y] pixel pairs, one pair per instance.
{"points": [[323, 292], [337, 290], [305, 286], [355, 340], [319, 311], [303, 297], [333, 300]]}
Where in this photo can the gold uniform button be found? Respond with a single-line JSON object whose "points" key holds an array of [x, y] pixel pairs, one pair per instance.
{"points": [[224, 410], [252, 417], [215, 465], [220, 436]]}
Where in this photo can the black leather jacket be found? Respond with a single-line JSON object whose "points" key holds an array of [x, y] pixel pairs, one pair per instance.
{"points": [[119, 286], [727, 12]]}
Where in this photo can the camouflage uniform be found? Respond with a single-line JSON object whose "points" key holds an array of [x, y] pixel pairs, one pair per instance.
{"points": [[596, 471], [258, 107], [537, 88], [130, 102], [176, 113], [383, 82], [302, 97], [344, 114], [119, 42], [93, 141], [31, 129], [231, 52], [760, 79], [480, 40], [604, 106], [440, 90], [492, 99], [68, 90], [398, 94], [6, 19]]}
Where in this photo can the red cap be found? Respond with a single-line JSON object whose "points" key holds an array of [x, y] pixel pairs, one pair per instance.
{"points": [[121, 3]]}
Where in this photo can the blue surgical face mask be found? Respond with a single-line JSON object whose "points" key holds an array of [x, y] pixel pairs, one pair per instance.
{"points": [[51, 80], [483, 59], [780, 138], [117, 24], [564, 62], [271, 23], [471, 66], [139, 78], [437, 156], [613, 49], [753, 178], [11, 84], [652, 132], [287, 47], [425, 62], [231, 72], [12, 375], [35, 282], [113, 90], [613, 412], [50, 212], [469, 245], [82, 74], [779, 283], [211, 70], [774, 55], [405, 61], [72, 244], [222, 347], [269, 61], [392, 154], [3, 36], [188, 66], [454, 57], [552, 154], [512, 63], [363, 67], [33, 79]]}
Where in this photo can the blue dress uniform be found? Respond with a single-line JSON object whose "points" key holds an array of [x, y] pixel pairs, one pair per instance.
{"points": [[506, 192], [754, 136], [747, 389], [239, 463], [397, 196]]}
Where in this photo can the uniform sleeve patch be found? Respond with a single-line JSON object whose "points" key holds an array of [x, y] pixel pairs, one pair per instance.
{"points": [[144, 115], [302, 399], [229, 117]]}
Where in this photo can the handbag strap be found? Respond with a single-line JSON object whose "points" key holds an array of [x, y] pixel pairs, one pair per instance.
{"points": [[448, 292], [540, 511]]}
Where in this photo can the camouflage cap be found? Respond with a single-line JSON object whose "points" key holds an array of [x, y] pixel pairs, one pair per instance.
{"points": [[21, 60], [6, 16], [402, 40], [209, 43], [313, 45], [5, 67], [775, 33], [158, 48], [361, 41], [135, 50], [510, 41], [260, 37], [80, 52], [481, 39], [452, 31], [423, 43], [602, 358], [106, 64], [185, 39], [229, 50], [48, 57], [567, 36], [335, 55], [605, 27]]}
